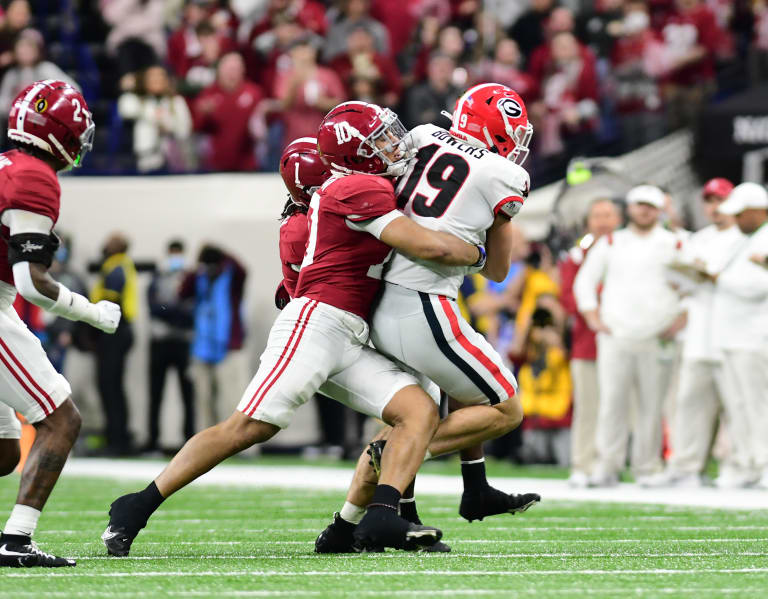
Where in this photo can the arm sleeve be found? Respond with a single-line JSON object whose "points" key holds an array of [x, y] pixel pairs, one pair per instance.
{"points": [[24, 221], [749, 282], [377, 225], [589, 276], [506, 188]]}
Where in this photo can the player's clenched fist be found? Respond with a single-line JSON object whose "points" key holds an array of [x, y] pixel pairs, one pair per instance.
{"points": [[106, 317]]}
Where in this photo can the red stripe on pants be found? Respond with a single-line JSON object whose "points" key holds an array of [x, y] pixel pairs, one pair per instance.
{"points": [[489, 364], [285, 364], [282, 355], [31, 380], [16, 375]]}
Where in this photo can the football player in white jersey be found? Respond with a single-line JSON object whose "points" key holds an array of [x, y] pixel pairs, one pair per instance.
{"points": [[466, 181]]}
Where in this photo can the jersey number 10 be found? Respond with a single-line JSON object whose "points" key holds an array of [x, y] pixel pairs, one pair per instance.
{"points": [[447, 186]]}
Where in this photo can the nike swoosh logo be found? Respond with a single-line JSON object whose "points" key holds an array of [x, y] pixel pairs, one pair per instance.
{"points": [[108, 534], [4, 551]]}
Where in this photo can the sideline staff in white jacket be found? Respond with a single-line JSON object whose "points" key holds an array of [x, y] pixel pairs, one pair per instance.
{"points": [[740, 322], [701, 391], [637, 310]]}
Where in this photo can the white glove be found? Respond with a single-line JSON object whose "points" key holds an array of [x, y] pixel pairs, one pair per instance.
{"points": [[106, 317]]}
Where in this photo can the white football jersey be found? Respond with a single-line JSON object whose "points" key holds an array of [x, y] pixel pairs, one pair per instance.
{"points": [[456, 188]]}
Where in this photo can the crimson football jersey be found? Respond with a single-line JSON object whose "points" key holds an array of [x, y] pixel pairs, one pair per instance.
{"points": [[26, 183], [342, 266], [294, 232]]}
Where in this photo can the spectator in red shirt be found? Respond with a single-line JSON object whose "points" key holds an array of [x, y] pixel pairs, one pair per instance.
{"points": [[691, 37], [559, 21], [566, 115], [505, 68], [638, 60], [202, 70], [305, 91], [602, 219], [184, 45], [226, 113], [361, 61]]}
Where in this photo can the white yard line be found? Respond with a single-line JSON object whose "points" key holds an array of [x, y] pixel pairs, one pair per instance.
{"points": [[613, 592], [378, 573], [462, 541], [406, 556], [337, 479]]}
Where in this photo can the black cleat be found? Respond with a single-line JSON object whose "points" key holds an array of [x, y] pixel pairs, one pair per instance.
{"points": [[438, 547], [337, 537], [375, 449], [28, 555], [125, 522], [490, 502], [382, 527]]}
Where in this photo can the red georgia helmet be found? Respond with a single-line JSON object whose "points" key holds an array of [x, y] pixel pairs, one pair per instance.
{"points": [[355, 137], [493, 116], [53, 116], [302, 169], [717, 187]]}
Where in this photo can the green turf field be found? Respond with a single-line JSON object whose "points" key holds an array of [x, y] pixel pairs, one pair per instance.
{"points": [[225, 542]]}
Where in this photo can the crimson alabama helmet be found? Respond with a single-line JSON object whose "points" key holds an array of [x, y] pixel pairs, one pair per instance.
{"points": [[363, 138], [717, 187], [52, 116], [302, 169], [493, 116]]}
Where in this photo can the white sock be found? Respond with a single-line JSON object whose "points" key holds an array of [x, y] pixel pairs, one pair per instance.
{"points": [[428, 455], [23, 521], [352, 513]]}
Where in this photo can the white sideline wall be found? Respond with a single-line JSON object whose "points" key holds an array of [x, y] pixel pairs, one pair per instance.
{"points": [[237, 212]]}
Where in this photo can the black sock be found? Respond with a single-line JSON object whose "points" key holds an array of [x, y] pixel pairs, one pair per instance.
{"points": [[17, 539], [149, 499], [408, 511], [473, 474], [387, 496]]}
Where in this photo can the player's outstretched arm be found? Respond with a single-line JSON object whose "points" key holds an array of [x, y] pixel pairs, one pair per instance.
{"points": [[38, 287], [499, 243], [418, 242], [31, 247]]}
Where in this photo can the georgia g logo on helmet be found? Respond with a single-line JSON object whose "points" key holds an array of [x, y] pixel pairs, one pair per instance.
{"points": [[511, 107]]}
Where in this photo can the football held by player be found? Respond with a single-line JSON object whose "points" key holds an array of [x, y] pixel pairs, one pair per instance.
{"points": [[354, 224], [51, 127]]}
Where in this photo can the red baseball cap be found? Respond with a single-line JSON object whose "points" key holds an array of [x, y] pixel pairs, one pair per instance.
{"points": [[717, 187]]}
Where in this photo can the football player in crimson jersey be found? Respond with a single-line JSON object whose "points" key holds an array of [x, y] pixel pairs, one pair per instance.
{"points": [[466, 181], [322, 333], [51, 127]]}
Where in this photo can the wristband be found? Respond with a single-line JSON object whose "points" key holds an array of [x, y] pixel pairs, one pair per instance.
{"points": [[482, 259], [74, 306]]}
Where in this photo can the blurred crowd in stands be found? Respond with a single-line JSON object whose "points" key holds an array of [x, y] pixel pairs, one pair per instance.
{"points": [[220, 85]]}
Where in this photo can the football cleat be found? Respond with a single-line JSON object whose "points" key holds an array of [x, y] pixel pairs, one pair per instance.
{"points": [[382, 527], [438, 547], [491, 502], [28, 555], [375, 449], [337, 537], [124, 525]]}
